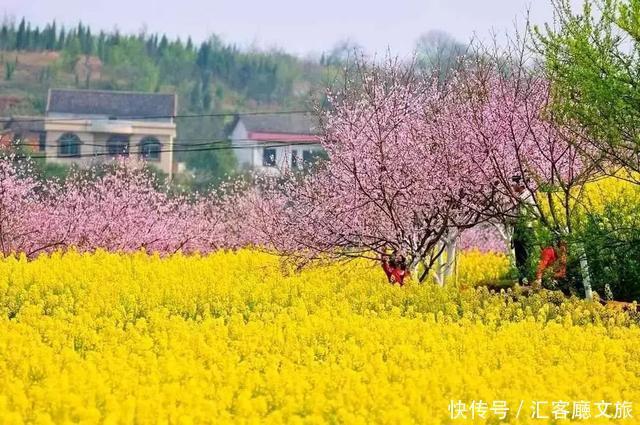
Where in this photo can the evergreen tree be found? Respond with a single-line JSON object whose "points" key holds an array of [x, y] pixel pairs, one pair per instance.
{"points": [[4, 36], [151, 50], [87, 42], [100, 46], [21, 35], [80, 32], [162, 48], [27, 38], [207, 99], [195, 98], [51, 37], [203, 56], [61, 40], [38, 39]]}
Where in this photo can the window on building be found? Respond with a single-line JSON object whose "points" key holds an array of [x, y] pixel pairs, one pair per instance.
{"points": [[310, 158], [118, 145], [42, 141], [69, 145], [269, 157], [307, 158], [150, 149], [295, 159]]}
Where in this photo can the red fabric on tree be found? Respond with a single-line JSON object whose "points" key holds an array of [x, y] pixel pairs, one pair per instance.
{"points": [[549, 257], [394, 274], [398, 276], [388, 270]]}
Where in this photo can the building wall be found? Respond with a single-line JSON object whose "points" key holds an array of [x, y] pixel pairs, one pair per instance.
{"points": [[244, 155], [166, 155], [94, 135], [249, 153], [283, 156], [86, 148]]}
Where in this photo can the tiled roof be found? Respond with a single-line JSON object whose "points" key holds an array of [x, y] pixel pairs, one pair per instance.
{"points": [[111, 103]]}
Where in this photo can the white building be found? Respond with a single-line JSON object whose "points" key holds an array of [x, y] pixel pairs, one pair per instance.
{"points": [[87, 127], [271, 143]]}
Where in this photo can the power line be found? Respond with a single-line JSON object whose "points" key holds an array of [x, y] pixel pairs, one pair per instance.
{"points": [[207, 142], [151, 117], [202, 149]]}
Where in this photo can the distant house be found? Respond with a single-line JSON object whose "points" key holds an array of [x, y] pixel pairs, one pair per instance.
{"points": [[86, 127], [273, 142]]}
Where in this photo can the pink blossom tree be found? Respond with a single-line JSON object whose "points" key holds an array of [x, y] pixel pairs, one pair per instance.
{"points": [[505, 125], [18, 200], [391, 180], [118, 211]]}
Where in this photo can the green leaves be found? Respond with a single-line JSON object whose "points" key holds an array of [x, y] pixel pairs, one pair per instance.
{"points": [[592, 60]]}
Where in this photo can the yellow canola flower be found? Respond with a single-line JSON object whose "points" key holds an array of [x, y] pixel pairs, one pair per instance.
{"points": [[478, 267], [227, 338], [621, 190]]}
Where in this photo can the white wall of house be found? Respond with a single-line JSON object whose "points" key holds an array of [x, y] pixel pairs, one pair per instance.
{"points": [[252, 158], [283, 155], [250, 153], [244, 155]]}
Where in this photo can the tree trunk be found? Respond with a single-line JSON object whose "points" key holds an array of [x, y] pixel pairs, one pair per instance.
{"points": [[506, 232], [447, 259], [413, 268], [456, 268], [439, 272], [584, 270], [451, 251]]}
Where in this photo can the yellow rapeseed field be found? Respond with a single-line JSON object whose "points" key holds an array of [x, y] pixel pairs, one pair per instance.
{"points": [[240, 338]]}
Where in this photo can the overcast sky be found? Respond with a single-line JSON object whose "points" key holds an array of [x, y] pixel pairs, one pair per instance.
{"points": [[298, 26]]}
